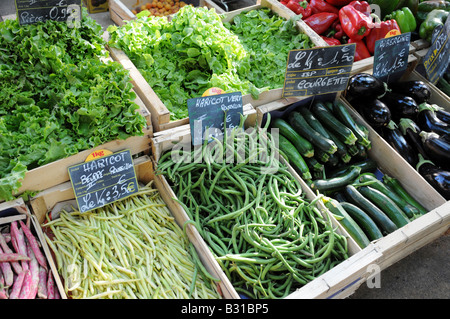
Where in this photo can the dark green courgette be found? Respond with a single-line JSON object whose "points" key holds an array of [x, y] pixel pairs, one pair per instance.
{"points": [[342, 114], [372, 181], [302, 127], [336, 183], [333, 124], [367, 166], [305, 148], [363, 220], [294, 158], [342, 151], [398, 188], [378, 216], [386, 204], [352, 228]]}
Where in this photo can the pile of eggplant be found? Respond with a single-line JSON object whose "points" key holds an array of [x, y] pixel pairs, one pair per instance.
{"points": [[402, 114]]}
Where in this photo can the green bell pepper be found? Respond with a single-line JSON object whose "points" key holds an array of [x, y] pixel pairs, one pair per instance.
{"points": [[405, 19], [434, 18], [426, 7]]}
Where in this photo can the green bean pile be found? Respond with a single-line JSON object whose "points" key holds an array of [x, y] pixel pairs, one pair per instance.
{"points": [[266, 235], [132, 248]]}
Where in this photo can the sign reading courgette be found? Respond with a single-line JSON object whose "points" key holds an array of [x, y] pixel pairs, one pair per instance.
{"points": [[103, 179], [33, 11], [318, 70]]}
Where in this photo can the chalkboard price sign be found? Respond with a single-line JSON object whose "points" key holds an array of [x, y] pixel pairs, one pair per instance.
{"points": [[437, 59], [212, 114], [33, 11], [103, 180], [391, 56], [318, 70]]}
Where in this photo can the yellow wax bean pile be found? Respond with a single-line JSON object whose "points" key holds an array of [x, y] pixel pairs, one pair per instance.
{"points": [[132, 248]]}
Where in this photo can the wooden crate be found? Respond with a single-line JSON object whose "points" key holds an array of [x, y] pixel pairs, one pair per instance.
{"points": [[345, 278], [46, 201], [120, 10], [160, 114], [18, 210]]}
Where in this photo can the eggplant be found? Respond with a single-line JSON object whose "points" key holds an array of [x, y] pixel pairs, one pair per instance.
{"points": [[429, 122], [411, 132], [437, 177], [443, 115], [418, 90], [437, 148], [375, 112], [401, 106], [397, 141], [366, 86]]}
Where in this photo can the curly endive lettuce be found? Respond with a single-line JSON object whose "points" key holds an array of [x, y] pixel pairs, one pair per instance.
{"points": [[57, 97], [179, 58]]}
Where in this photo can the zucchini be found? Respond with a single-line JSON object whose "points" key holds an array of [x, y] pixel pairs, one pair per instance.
{"points": [[342, 114], [313, 122], [333, 124], [370, 180], [302, 145], [363, 220], [378, 216], [314, 164], [397, 187], [336, 183], [367, 166], [294, 157], [341, 148], [352, 228], [302, 127], [386, 204], [322, 156]]}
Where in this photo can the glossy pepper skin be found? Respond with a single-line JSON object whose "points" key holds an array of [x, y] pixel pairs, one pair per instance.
{"points": [[321, 22], [299, 7], [322, 6], [405, 19], [361, 51], [379, 32], [331, 41], [425, 7], [362, 6], [339, 3], [355, 24], [336, 30], [434, 18]]}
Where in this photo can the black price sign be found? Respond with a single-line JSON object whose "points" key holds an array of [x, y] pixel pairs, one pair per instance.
{"points": [[437, 59], [103, 180], [33, 11], [318, 70], [391, 56], [212, 114]]}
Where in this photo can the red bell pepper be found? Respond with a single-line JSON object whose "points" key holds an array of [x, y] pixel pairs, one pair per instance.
{"points": [[322, 6], [362, 6], [321, 22], [379, 32], [361, 51], [339, 3], [336, 30], [300, 7], [355, 24], [284, 2], [331, 41]]}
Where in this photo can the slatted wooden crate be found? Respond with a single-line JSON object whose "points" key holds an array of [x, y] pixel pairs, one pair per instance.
{"points": [[160, 113], [16, 210], [120, 10], [46, 201], [393, 247]]}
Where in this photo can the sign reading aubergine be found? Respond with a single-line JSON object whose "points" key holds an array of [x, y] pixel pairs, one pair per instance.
{"points": [[318, 70], [33, 11]]}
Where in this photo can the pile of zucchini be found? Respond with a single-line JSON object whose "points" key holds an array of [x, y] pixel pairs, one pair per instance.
{"points": [[325, 140]]}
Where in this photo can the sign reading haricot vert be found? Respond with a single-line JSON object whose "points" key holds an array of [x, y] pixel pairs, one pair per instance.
{"points": [[33, 11], [318, 70], [210, 115], [104, 178]]}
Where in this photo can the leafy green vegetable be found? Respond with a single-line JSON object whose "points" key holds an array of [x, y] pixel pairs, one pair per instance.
{"points": [[194, 51], [58, 96]]}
